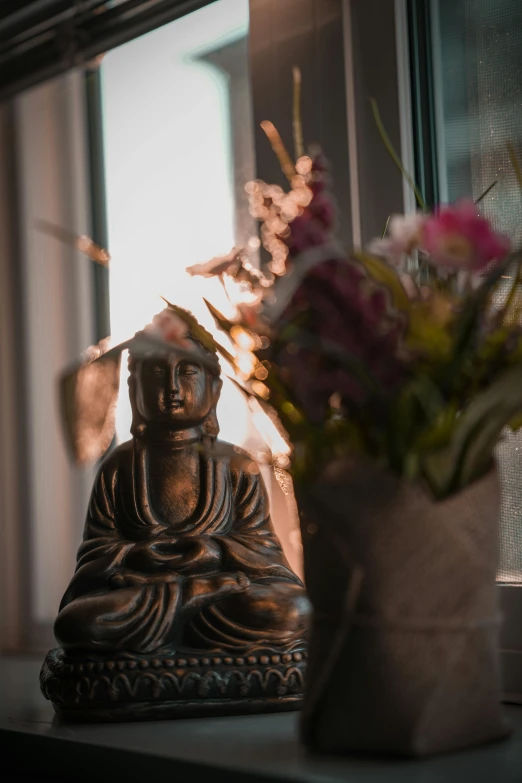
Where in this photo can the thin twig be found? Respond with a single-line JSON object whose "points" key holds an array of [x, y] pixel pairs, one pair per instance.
{"points": [[297, 123], [82, 243], [479, 199], [279, 148]]}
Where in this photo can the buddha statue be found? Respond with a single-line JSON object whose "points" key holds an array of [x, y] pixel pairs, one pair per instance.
{"points": [[180, 565]]}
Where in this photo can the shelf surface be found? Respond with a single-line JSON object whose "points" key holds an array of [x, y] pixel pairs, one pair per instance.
{"points": [[35, 746]]}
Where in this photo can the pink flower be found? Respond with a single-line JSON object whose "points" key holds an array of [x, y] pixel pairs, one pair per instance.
{"points": [[457, 238]]}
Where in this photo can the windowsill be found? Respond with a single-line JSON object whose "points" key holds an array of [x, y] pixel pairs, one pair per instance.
{"points": [[256, 748]]}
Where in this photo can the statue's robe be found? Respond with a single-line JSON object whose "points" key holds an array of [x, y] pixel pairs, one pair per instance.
{"points": [[112, 605]]}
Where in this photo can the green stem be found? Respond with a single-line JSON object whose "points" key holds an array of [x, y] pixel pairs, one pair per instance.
{"points": [[512, 293], [396, 159]]}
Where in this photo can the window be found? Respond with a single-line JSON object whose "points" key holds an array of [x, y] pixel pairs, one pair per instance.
{"points": [[477, 48], [467, 89], [179, 109]]}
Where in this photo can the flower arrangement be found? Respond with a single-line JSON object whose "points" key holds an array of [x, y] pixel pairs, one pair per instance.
{"points": [[385, 372], [396, 354]]}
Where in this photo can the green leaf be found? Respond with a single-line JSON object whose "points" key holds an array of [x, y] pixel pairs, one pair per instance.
{"points": [[439, 431], [196, 330], [470, 319], [491, 351], [382, 273], [429, 327], [515, 163], [222, 322], [510, 306], [418, 402], [403, 417], [225, 354], [477, 431], [516, 422], [428, 396]]}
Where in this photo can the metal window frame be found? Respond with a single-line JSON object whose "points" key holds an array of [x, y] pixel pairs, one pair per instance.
{"points": [[419, 15], [43, 41], [98, 199]]}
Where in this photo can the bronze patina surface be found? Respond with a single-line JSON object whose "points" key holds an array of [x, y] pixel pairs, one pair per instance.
{"points": [[182, 601]]}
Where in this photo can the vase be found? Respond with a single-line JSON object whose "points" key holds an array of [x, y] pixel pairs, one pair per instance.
{"points": [[403, 655]]}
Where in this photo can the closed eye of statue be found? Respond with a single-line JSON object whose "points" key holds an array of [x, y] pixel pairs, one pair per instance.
{"points": [[188, 369]]}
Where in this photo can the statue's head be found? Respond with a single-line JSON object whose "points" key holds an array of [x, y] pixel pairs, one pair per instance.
{"points": [[172, 391]]}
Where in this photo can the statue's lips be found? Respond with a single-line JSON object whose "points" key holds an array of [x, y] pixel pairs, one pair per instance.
{"points": [[174, 405]]}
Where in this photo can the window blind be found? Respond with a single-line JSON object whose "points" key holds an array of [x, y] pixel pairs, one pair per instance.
{"points": [[40, 39]]}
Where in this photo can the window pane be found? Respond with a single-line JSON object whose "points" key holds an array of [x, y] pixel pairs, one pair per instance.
{"points": [[478, 58], [178, 134]]}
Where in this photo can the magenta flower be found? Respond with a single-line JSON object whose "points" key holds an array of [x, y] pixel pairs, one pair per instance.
{"points": [[458, 238], [340, 307]]}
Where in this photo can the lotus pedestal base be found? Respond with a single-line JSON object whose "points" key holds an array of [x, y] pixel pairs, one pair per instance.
{"points": [[169, 684]]}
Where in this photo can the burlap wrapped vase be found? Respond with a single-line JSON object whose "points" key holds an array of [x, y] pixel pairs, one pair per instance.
{"points": [[403, 654]]}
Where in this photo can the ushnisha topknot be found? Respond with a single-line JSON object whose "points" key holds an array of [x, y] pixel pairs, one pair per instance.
{"points": [[177, 327], [196, 332]]}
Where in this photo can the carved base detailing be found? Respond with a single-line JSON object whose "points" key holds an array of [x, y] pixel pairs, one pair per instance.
{"points": [[156, 686]]}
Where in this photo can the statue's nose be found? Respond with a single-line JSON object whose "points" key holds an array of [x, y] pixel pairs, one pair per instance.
{"points": [[173, 383]]}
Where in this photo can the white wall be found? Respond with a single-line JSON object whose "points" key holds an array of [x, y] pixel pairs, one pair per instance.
{"points": [[57, 307]]}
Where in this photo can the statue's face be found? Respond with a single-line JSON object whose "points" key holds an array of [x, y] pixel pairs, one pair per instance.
{"points": [[176, 392]]}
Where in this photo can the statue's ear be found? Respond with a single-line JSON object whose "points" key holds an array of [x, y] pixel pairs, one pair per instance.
{"points": [[211, 424], [217, 384]]}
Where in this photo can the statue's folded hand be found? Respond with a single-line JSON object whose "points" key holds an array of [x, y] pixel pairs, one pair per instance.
{"points": [[199, 591], [184, 556], [126, 578]]}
